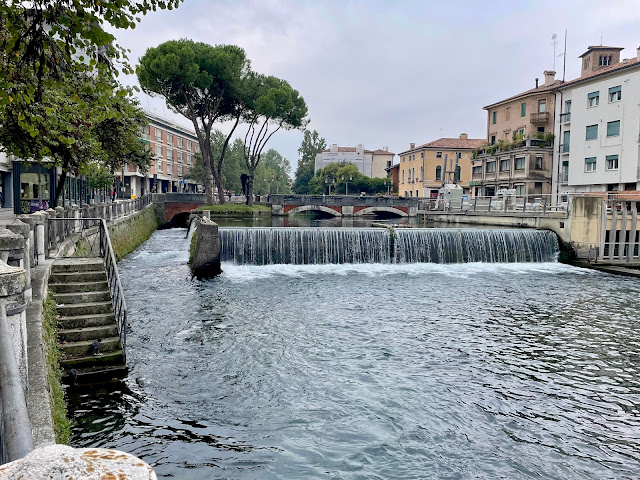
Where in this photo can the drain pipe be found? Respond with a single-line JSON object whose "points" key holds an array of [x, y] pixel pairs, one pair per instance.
{"points": [[18, 438]]}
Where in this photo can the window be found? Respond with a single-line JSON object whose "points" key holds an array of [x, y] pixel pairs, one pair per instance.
{"points": [[421, 173], [158, 150], [403, 159], [537, 188], [590, 164], [402, 175], [593, 99], [612, 162], [504, 165], [477, 170], [566, 138], [507, 114], [388, 163], [188, 145], [567, 106], [521, 132], [540, 129], [159, 166], [438, 172], [520, 189], [491, 167], [421, 154], [169, 139], [189, 159], [592, 132], [169, 154], [519, 163], [605, 60], [493, 139], [615, 94], [542, 105], [458, 155], [495, 117], [158, 135], [197, 145], [413, 174], [179, 142], [613, 128], [438, 154], [539, 162], [523, 109]]}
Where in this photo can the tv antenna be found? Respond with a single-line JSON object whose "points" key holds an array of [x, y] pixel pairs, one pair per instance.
{"points": [[554, 42]]}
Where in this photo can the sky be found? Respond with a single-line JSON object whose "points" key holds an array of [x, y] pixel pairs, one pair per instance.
{"points": [[391, 72]]}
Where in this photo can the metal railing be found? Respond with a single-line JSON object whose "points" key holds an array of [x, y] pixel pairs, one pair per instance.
{"points": [[16, 438], [535, 204], [565, 117]]}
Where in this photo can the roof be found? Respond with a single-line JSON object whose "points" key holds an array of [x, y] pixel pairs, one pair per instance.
{"points": [[451, 144], [559, 84], [353, 150], [599, 47]]}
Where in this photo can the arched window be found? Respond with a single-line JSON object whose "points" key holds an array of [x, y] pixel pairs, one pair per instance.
{"points": [[413, 174], [438, 172], [402, 176], [456, 176], [422, 173]]}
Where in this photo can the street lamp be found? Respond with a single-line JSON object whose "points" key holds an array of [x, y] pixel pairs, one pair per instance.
{"points": [[329, 183], [346, 184], [388, 185]]}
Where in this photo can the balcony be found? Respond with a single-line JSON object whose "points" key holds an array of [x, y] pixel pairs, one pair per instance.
{"points": [[540, 118], [564, 148], [565, 117], [563, 178]]}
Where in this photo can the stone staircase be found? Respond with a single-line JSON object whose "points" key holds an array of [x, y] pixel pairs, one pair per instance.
{"points": [[81, 292]]}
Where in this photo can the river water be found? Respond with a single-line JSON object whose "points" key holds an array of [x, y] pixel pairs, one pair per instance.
{"points": [[382, 371]]}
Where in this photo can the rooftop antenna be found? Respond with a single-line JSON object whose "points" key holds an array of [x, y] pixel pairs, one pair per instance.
{"points": [[440, 132], [564, 56], [554, 42]]}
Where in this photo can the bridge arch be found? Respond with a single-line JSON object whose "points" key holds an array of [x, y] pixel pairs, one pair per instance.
{"points": [[314, 208], [391, 210]]}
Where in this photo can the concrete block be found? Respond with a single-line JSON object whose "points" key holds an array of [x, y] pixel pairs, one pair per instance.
{"points": [[206, 258]]}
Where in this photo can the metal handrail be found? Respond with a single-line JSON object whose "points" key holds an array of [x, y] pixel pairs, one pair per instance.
{"points": [[15, 428], [115, 287]]}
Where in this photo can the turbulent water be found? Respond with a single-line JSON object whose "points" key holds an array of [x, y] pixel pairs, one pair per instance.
{"points": [[382, 371], [303, 246]]}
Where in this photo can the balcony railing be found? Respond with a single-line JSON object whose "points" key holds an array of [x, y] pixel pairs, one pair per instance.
{"points": [[563, 178], [540, 117], [564, 148], [565, 117]]}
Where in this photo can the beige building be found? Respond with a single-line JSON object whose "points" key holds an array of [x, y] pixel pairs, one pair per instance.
{"points": [[519, 148], [422, 170], [372, 163]]}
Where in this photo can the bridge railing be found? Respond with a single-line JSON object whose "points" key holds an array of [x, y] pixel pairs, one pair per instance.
{"points": [[533, 204], [344, 200]]}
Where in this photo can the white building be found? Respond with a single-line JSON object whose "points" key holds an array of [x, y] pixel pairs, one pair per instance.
{"points": [[597, 125], [372, 163]]}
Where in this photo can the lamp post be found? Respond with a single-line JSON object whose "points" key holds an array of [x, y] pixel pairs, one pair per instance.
{"points": [[329, 183], [388, 185], [346, 184]]}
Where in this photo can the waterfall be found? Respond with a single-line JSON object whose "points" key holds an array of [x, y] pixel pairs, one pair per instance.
{"points": [[301, 246], [267, 246]]}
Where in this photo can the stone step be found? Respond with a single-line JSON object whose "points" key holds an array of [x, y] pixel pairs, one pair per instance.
{"points": [[95, 374], [75, 309], [78, 287], [77, 265], [83, 347], [80, 321], [78, 277], [82, 297], [87, 361], [87, 333]]}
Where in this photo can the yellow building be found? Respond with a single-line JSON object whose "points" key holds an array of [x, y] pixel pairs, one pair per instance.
{"points": [[422, 168]]}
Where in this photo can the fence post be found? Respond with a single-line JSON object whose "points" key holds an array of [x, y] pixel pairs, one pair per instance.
{"points": [[490, 199], [544, 205], [23, 257]]}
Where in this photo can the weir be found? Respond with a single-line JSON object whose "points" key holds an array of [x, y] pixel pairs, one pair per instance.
{"points": [[299, 246]]}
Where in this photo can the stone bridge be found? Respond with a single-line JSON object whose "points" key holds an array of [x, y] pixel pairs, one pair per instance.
{"points": [[174, 208], [343, 205]]}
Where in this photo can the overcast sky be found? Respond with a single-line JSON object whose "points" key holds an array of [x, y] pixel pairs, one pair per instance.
{"points": [[391, 72]]}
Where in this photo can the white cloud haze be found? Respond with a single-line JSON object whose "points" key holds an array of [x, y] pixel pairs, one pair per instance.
{"points": [[386, 73]]}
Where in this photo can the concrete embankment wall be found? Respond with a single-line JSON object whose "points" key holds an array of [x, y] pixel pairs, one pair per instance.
{"points": [[130, 232]]}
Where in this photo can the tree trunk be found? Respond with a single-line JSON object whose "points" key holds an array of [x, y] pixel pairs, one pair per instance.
{"points": [[208, 184], [59, 187], [250, 187], [220, 187]]}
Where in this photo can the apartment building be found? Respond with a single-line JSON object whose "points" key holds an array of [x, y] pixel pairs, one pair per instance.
{"points": [[174, 147], [422, 169], [372, 163], [598, 125], [519, 147]]}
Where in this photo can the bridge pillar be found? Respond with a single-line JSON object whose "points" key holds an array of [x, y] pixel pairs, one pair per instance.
{"points": [[347, 210], [277, 210], [413, 211]]}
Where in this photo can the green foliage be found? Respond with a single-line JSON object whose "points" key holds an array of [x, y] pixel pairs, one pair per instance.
{"points": [[61, 424], [549, 138], [233, 166], [337, 174], [272, 175], [312, 144]]}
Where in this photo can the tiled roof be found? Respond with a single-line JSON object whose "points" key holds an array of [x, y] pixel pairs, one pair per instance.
{"points": [[451, 144], [558, 84], [353, 150], [600, 47]]}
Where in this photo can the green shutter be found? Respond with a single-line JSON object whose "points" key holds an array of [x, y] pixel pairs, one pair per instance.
{"points": [[615, 89], [590, 160], [613, 129], [593, 95], [495, 117], [592, 132], [523, 109], [612, 157]]}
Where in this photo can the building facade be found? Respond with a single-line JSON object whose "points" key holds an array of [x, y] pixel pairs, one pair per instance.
{"points": [[422, 169], [519, 147], [598, 125], [372, 163], [173, 147]]}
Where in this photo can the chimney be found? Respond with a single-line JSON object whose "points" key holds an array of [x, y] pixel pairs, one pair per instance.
{"points": [[464, 136], [549, 77], [412, 146], [536, 83]]}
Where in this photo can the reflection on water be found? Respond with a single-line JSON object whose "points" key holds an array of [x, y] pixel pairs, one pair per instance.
{"points": [[380, 371]]}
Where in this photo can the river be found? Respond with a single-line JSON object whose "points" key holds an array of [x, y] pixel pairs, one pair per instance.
{"points": [[373, 371]]}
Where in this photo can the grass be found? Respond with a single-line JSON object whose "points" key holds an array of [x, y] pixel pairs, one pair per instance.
{"points": [[127, 236], [235, 209], [83, 248], [61, 424]]}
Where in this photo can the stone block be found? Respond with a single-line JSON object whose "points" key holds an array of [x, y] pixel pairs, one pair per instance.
{"points": [[206, 257]]}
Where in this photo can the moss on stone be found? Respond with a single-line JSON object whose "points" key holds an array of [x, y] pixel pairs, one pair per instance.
{"points": [[192, 246], [131, 233], [61, 424]]}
